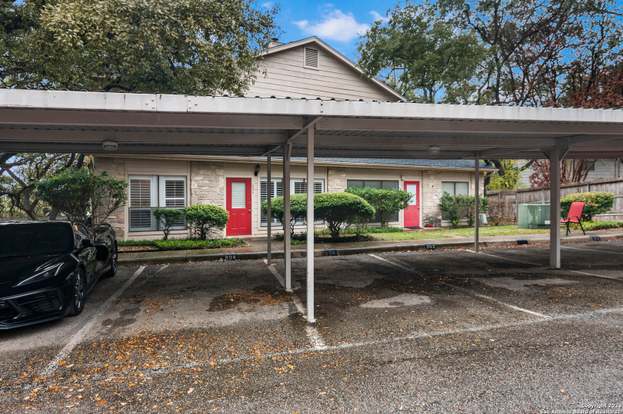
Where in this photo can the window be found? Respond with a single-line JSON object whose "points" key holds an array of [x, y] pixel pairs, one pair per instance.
{"points": [[311, 58], [383, 184], [149, 192], [386, 184], [455, 188], [297, 186]]}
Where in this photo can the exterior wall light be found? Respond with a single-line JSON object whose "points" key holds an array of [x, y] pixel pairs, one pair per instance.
{"points": [[110, 146]]}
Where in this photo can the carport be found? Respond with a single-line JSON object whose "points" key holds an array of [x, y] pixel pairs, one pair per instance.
{"points": [[93, 122]]}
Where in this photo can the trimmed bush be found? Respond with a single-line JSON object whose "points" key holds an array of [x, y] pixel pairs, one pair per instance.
{"points": [[596, 203], [456, 208], [386, 202], [298, 209], [168, 217], [336, 209], [203, 217], [341, 209]]}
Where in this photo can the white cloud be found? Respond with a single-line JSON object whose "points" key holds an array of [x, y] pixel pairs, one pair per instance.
{"points": [[268, 4], [378, 16], [334, 25]]}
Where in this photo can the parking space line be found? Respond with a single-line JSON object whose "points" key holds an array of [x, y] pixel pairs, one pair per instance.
{"points": [[579, 272], [275, 273], [410, 337], [81, 334], [313, 335], [469, 292], [508, 259]]}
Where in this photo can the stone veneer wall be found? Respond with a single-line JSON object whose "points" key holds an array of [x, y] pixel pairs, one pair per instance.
{"points": [[115, 168], [336, 180], [207, 186]]}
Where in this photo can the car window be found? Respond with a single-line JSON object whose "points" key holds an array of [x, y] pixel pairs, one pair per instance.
{"points": [[35, 239]]}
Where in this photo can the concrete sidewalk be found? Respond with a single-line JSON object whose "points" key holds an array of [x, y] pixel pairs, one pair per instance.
{"points": [[256, 248]]}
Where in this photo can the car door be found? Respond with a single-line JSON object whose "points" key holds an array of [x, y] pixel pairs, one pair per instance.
{"points": [[87, 254]]}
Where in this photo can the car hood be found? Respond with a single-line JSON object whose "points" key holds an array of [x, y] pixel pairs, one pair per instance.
{"points": [[15, 269]]}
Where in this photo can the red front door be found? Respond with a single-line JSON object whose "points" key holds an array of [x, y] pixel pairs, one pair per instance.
{"points": [[239, 206], [412, 212]]}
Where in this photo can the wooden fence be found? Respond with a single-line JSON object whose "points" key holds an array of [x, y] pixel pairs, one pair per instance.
{"points": [[507, 201]]}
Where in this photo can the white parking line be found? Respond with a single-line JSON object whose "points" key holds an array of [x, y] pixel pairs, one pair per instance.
{"points": [[275, 273], [410, 337], [80, 335], [579, 272], [313, 335], [464, 290]]}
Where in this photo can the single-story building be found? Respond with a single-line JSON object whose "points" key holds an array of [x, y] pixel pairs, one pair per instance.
{"points": [[305, 69]]}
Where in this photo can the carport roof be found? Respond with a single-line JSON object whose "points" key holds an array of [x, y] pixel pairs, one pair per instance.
{"points": [[64, 121]]}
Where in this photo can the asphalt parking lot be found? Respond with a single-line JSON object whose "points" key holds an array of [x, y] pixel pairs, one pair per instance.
{"points": [[441, 331]]}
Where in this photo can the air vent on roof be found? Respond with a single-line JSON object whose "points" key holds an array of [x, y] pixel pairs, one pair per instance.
{"points": [[311, 57]]}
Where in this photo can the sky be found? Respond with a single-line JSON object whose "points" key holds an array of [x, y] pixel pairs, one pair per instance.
{"points": [[340, 24]]}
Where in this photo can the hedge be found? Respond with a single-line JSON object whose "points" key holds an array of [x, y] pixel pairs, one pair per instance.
{"points": [[456, 208], [341, 209], [596, 203], [336, 209], [386, 202], [203, 217]]}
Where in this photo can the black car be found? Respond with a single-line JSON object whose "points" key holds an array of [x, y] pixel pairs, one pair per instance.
{"points": [[47, 269]]}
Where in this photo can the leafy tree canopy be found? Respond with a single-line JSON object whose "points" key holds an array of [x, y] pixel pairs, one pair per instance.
{"points": [[185, 46]]}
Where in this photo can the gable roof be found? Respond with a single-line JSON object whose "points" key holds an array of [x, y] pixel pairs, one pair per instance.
{"points": [[339, 56]]}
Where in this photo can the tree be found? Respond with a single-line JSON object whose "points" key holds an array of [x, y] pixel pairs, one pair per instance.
{"points": [[197, 47], [168, 217], [506, 178], [571, 171], [82, 196], [422, 55], [386, 202], [204, 217], [194, 47], [22, 171]]}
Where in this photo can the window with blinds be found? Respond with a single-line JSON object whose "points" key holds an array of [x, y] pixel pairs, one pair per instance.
{"points": [[150, 192]]}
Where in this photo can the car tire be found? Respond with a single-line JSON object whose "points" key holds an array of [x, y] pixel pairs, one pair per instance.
{"points": [[114, 261], [78, 294]]}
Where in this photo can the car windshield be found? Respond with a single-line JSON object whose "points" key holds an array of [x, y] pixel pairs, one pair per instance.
{"points": [[35, 239]]}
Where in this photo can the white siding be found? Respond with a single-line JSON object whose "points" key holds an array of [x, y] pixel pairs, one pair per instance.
{"points": [[283, 74]]}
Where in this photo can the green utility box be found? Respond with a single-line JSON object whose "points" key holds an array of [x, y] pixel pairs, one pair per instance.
{"points": [[533, 216]]}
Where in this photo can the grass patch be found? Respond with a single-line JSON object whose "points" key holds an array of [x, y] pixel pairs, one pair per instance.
{"points": [[602, 225], [146, 243], [190, 244], [449, 233], [179, 244]]}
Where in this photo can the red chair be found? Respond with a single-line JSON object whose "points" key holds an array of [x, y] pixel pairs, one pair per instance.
{"points": [[574, 215]]}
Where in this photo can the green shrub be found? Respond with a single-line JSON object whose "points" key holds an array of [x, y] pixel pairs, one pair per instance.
{"points": [[197, 244], [340, 209], [83, 197], [386, 202], [336, 209], [202, 218], [298, 209], [456, 208], [596, 203], [168, 217]]}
